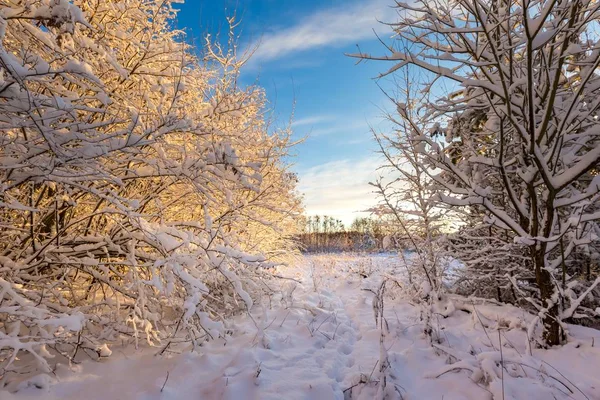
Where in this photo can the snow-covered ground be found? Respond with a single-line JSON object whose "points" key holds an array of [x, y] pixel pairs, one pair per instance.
{"points": [[318, 339]]}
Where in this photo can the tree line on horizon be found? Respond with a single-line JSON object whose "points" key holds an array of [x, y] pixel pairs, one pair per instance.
{"points": [[377, 232]]}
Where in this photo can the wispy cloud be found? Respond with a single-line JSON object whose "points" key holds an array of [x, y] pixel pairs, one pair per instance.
{"points": [[343, 124], [313, 120], [350, 127], [325, 28], [340, 188]]}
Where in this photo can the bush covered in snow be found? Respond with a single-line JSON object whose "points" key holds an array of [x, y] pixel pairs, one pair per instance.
{"points": [[142, 192]]}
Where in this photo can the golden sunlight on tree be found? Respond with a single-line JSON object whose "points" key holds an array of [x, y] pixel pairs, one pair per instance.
{"points": [[143, 192]]}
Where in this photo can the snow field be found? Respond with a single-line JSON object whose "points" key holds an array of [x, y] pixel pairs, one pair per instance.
{"points": [[318, 339]]}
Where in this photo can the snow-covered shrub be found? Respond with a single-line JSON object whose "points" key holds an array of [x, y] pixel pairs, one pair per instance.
{"points": [[141, 192], [489, 260]]}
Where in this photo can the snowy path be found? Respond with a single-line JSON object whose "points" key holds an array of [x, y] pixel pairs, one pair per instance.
{"points": [[319, 340]]}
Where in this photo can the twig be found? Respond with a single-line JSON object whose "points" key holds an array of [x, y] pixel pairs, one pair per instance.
{"points": [[284, 318], [338, 325], [373, 370], [560, 373], [483, 326], [166, 379], [501, 361]]}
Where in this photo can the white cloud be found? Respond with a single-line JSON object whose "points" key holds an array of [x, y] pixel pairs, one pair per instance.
{"points": [[340, 188], [325, 28]]}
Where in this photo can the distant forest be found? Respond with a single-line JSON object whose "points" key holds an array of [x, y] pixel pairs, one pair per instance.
{"points": [[324, 233]]}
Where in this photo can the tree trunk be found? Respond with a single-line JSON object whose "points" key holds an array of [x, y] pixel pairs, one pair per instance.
{"points": [[553, 333]]}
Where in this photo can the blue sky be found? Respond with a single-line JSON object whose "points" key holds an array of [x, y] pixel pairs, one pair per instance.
{"points": [[301, 64]]}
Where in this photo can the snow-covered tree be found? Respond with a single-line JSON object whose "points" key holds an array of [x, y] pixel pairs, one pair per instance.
{"points": [[142, 191], [520, 138]]}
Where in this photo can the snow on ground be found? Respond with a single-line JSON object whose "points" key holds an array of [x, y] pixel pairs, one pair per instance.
{"points": [[318, 339]]}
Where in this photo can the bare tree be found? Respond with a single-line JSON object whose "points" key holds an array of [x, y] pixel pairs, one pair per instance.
{"points": [[521, 134], [407, 192]]}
